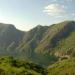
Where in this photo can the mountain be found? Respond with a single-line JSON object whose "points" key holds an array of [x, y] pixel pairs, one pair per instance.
{"points": [[54, 34], [42, 44], [65, 67], [9, 38], [32, 39]]}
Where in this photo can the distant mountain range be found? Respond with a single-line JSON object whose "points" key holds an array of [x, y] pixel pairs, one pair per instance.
{"points": [[42, 44]]}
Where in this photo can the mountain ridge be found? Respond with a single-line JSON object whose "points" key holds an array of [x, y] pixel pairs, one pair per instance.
{"points": [[40, 43]]}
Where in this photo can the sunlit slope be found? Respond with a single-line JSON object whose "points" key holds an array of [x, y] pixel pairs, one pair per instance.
{"points": [[11, 66], [65, 67], [54, 34]]}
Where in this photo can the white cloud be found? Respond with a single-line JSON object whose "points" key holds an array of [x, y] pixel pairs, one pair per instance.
{"points": [[58, 10], [54, 9]]}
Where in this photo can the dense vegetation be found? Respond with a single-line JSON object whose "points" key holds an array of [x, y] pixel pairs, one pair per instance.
{"points": [[65, 67], [11, 66]]}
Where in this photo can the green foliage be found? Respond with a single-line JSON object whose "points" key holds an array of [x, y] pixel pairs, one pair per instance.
{"points": [[65, 67], [11, 66]]}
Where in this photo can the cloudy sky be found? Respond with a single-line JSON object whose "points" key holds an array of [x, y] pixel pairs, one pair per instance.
{"points": [[26, 14]]}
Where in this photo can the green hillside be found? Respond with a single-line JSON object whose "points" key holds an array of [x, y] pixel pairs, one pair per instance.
{"points": [[11, 66], [65, 67], [42, 44], [54, 34]]}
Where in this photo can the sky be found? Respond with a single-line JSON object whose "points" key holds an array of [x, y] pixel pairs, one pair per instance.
{"points": [[26, 14]]}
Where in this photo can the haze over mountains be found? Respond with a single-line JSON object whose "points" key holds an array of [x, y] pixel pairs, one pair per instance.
{"points": [[42, 44]]}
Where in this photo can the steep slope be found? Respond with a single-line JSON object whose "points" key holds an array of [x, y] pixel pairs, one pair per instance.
{"points": [[42, 44], [66, 46], [37, 34], [54, 34], [9, 38], [32, 39], [65, 67]]}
